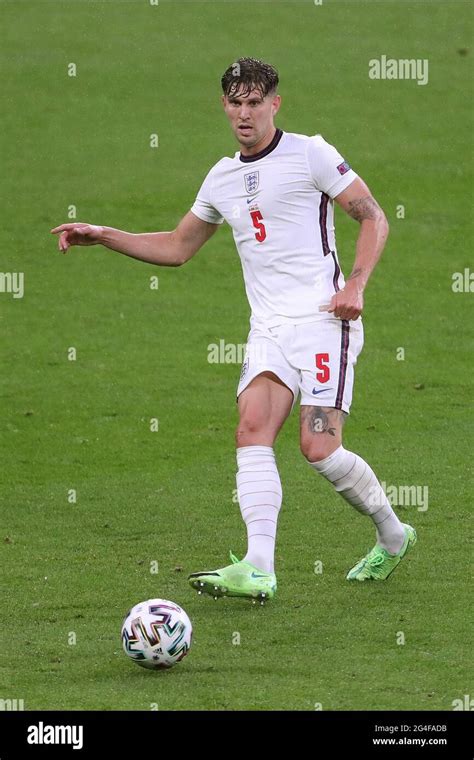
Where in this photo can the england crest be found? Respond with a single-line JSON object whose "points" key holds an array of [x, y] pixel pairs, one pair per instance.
{"points": [[251, 182]]}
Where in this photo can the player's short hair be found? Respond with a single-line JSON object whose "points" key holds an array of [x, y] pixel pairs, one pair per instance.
{"points": [[249, 74]]}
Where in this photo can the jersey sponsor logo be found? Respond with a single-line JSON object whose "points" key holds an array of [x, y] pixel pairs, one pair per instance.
{"points": [[251, 181], [343, 168], [251, 200]]}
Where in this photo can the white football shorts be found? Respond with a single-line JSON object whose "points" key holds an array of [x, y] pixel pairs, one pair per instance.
{"points": [[315, 359]]}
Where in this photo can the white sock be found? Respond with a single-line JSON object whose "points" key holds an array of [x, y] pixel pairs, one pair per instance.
{"points": [[259, 492], [358, 484]]}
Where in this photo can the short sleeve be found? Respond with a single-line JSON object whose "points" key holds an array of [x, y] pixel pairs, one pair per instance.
{"points": [[202, 206], [329, 171]]}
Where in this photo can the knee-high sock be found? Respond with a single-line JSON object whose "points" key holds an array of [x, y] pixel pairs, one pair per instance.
{"points": [[260, 495], [358, 484]]}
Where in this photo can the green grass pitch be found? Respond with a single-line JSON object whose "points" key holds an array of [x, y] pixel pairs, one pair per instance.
{"points": [[70, 570]]}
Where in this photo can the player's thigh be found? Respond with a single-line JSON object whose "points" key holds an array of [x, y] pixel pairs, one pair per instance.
{"points": [[326, 353], [320, 431], [263, 407]]}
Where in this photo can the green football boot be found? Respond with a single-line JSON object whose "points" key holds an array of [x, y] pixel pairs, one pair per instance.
{"points": [[379, 564], [239, 579]]}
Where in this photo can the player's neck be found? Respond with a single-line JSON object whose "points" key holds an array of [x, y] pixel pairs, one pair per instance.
{"points": [[261, 145]]}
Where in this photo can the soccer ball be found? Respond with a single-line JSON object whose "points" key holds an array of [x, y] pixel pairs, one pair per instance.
{"points": [[156, 634]]}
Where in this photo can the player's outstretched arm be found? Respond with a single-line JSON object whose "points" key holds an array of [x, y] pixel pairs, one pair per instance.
{"points": [[163, 248], [358, 202]]}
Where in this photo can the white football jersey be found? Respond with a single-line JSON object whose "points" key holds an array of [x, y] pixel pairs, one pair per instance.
{"points": [[280, 206]]}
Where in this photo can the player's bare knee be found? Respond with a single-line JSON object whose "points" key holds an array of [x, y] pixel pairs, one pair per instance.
{"points": [[249, 431], [321, 432], [254, 428], [317, 450]]}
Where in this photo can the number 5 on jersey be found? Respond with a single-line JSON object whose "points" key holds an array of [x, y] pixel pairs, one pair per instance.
{"points": [[257, 223]]}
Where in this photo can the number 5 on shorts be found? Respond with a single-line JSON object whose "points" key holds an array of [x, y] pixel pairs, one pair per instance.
{"points": [[322, 363]]}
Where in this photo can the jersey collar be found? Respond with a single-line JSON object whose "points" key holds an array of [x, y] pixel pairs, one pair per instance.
{"points": [[271, 146]]}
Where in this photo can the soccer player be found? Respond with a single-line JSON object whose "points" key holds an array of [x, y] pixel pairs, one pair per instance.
{"points": [[277, 193]]}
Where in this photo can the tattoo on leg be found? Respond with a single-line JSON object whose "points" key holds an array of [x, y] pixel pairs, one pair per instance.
{"points": [[321, 419]]}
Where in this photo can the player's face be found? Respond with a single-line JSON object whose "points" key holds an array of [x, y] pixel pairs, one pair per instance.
{"points": [[251, 117]]}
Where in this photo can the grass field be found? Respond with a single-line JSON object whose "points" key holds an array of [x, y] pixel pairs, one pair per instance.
{"points": [[166, 496]]}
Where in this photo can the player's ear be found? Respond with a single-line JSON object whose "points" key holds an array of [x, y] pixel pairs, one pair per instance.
{"points": [[276, 104]]}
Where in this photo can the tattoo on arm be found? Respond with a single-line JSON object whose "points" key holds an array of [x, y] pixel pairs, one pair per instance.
{"points": [[322, 419], [364, 208], [355, 273]]}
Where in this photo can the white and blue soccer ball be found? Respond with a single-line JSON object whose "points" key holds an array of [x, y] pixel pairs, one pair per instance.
{"points": [[156, 634]]}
